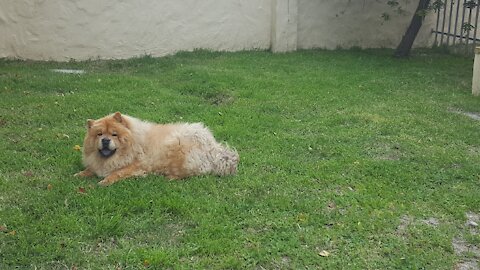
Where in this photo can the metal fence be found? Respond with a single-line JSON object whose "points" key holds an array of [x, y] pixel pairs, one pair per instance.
{"points": [[456, 24]]}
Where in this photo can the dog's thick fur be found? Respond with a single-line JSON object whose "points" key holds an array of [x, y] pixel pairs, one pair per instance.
{"points": [[119, 146]]}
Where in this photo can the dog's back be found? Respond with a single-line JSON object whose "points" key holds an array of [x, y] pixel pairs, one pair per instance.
{"points": [[182, 149]]}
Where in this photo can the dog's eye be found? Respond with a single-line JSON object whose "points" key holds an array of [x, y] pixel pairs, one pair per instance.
{"points": [[114, 134], [99, 134]]}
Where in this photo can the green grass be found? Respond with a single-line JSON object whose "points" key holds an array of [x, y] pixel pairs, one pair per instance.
{"points": [[338, 149]]}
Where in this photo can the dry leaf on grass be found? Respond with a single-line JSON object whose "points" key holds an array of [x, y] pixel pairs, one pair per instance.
{"points": [[324, 253]]}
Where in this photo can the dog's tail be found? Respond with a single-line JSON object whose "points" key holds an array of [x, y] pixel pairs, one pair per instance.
{"points": [[226, 161]]}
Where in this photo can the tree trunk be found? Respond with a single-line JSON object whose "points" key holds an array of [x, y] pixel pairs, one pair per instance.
{"points": [[403, 49]]}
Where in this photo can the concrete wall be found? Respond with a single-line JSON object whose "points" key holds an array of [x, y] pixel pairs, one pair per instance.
{"points": [[346, 23], [85, 29], [82, 29]]}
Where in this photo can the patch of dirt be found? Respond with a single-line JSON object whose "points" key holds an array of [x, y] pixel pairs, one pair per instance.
{"points": [[220, 99], [472, 115], [468, 265], [176, 232], [474, 150], [279, 263], [106, 245], [286, 260], [473, 219], [431, 222], [466, 250], [460, 246], [384, 151], [100, 247], [405, 221]]}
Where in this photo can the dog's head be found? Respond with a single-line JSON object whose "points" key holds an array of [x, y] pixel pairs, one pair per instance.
{"points": [[108, 136]]}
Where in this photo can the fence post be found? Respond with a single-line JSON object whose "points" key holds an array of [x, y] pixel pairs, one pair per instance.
{"points": [[476, 73]]}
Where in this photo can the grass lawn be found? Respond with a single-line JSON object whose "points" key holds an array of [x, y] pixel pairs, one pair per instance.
{"points": [[349, 160]]}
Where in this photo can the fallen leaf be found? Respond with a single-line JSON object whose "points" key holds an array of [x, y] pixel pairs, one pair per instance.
{"points": [[324, 253], [302, 217], [81, 190], [13, 232], [146, 263], [49, 186], [3, 228], [77, 147]]}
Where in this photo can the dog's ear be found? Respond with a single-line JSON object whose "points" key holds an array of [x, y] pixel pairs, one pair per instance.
{"points": [[90, 123], [118, 116]]}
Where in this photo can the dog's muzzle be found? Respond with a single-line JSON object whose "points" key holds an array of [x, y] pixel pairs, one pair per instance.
{"points": [[105, 151]]}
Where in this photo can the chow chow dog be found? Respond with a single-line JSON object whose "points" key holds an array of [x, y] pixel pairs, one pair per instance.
{"points": [[120, 146]]}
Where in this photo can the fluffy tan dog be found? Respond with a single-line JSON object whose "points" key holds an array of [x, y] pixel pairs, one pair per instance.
{"points": [[119, 146]]}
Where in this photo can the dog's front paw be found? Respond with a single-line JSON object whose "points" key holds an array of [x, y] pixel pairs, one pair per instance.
{"points": [[105, 182], [84, 173]]}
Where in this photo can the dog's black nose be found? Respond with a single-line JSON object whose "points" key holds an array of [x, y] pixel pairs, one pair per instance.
{"points": [[105, 142]]}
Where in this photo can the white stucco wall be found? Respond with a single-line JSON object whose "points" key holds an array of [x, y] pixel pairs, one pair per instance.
{"points": [[347, 23], [82, 29], [284, 25], [86, 29]]}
